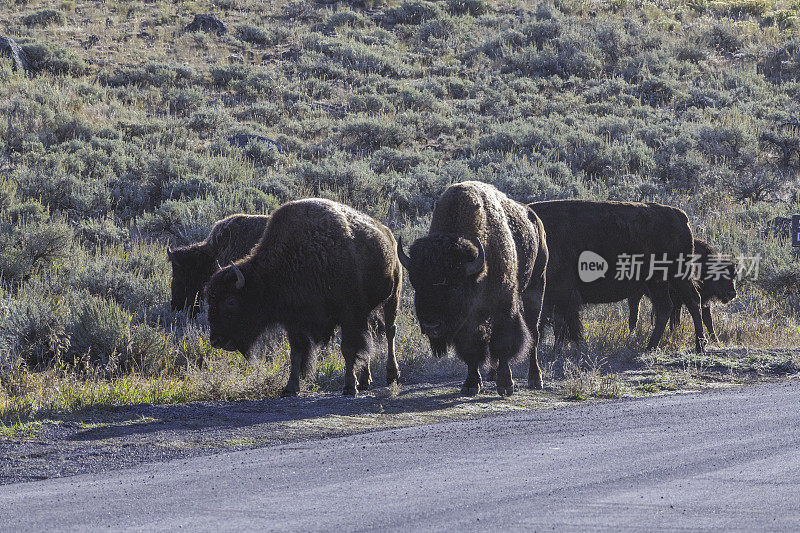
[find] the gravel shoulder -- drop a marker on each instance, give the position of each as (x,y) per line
(94,441)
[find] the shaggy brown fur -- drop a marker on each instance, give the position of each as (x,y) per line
(319,265)
(722,289)
(611,229)
(487,310)
(230,239)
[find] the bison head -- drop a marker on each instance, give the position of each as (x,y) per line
(191,268)
(445,271)
(724,288)
(233,309)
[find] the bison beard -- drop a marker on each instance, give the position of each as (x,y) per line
(479,282)
(319,265)
(611,229)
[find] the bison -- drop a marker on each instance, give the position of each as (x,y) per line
(654,236)
(479,280)
(318,265)
(717,282)
(230,239)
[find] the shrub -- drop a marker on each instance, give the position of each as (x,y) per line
(346,17)
(253,35)
(47,57)
(184,102)
(369,134)
(100,331)
(782,62)
(44,17)
(33,328)
(223,76)
(359,56)
(724,37)
(391,159)
(26,249)
(474,8)
(100,232)
(152,75)
(412,12)
(570,61)
(121,282)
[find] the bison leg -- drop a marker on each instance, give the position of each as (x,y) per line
(533,300)
(300,346)
(356,348)
(365,377)
(662,307)
(510,337)
(691,299)
(709,322)
(572,328)
(675,317)
(474,351)
(633,311)
(389,317)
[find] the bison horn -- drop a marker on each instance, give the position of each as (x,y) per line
(404,259)
(475,266)
(219,266)
(239,276)
(170,254)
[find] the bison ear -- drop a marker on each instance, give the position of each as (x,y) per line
(475,266)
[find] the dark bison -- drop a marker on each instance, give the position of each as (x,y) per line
(479,277)
(717,282)
(230,239)
(319,265)
(655,236)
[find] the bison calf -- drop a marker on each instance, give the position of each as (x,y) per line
(319,265)
(230,239)
(479,277)
(717,282)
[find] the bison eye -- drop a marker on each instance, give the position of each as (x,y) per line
(230,304)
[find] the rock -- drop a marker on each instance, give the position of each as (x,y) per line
(242,139)
(207,23)
(9,48)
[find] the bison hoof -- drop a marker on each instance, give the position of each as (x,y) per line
(289,393)
(505,391)
(536,384)
(468,390)
(349,391)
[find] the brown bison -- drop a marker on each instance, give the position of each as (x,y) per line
(319,265)
(230,239)
(479,277)
(654,236)
(717,282)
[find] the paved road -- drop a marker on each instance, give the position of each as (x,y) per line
(716,460)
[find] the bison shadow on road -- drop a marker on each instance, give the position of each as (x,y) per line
(287,419)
